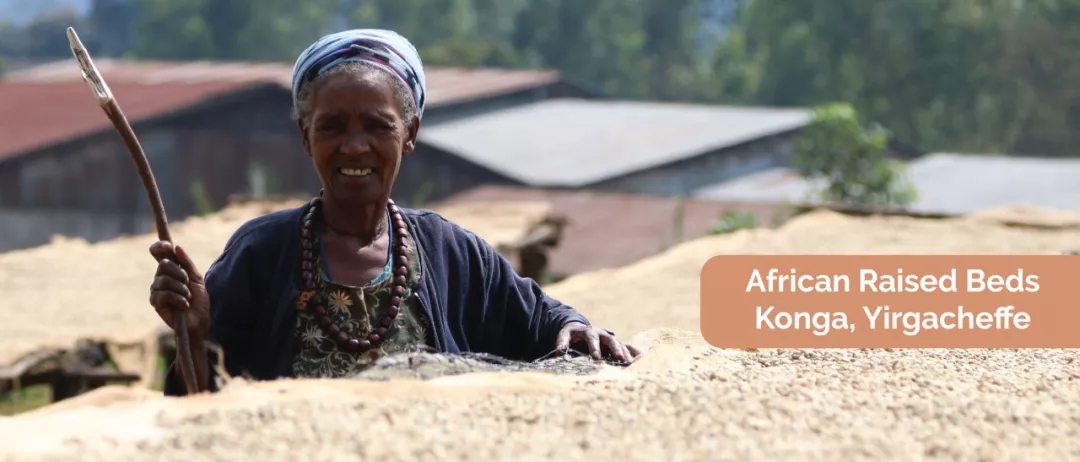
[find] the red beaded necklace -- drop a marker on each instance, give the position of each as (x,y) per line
(311,281)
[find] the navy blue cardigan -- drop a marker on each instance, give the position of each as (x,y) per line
(474,299)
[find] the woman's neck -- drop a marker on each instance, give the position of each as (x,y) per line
(363,222)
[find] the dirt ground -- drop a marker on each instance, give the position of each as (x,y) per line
(682,401)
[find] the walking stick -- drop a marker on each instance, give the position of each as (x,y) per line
(108,103)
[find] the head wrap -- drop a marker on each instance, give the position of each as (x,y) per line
(383,48)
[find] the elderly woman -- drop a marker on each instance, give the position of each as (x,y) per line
(325,289)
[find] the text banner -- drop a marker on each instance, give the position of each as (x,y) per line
(891,301)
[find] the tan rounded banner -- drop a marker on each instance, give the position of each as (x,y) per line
(891,301)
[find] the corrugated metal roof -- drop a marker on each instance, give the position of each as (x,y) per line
(946,183)
(445,85)
(33,115)
(772,185)
(50,103)
(645,224)
(571,142)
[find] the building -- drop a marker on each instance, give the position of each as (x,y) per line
(623,146)
(452,93)
(211,130)
(64,170)
(610,230)
(946,184)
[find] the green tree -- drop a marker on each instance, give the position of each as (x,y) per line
(851,158)
(957,75)
(1040,68)
(926,69)
(264,30)
(733,220)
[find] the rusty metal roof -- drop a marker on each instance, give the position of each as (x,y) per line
(445,85)
(34,115)
(50,103)
(609,230)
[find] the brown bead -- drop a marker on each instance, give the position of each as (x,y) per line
(333,329)
(308,275)
(403,260)
(402,249)
(320,310)
(323,321)
(306,265)
(342,337)
(401,271)
(401,232)
(395,301)
(399,291)
(393,311)
(307,255)
(353,344)
(387,321)
(364,344)
(373,338)
(381,331)
(400,280)
(307,244)
(399,222)
(309,285)
(309,222)
(308,233)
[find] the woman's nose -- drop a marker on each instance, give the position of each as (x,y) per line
(356,143)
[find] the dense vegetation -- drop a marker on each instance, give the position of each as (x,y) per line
(946,75)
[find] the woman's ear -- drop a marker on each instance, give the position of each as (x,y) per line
(410,141)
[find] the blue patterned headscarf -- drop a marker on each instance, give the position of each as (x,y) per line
(383,48)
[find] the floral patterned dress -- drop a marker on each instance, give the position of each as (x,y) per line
(354,309)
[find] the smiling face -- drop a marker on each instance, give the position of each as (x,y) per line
(356,134)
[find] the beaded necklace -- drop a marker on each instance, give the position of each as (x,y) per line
(312,281)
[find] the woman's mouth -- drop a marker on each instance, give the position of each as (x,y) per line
(355,172)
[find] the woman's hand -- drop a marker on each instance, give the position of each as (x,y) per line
(178,285)
(599,343)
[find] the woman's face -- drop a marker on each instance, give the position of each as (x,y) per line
(356,136)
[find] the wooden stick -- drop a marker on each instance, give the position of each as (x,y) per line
(108,103)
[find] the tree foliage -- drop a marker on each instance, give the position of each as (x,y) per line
(733,220)
(994,76)
(851,159)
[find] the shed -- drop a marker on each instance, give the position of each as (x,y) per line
(626,146)
(609,230)
(211,129)
(946,183)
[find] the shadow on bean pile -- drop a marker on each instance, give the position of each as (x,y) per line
(431,365)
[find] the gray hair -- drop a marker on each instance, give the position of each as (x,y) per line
(305,97)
